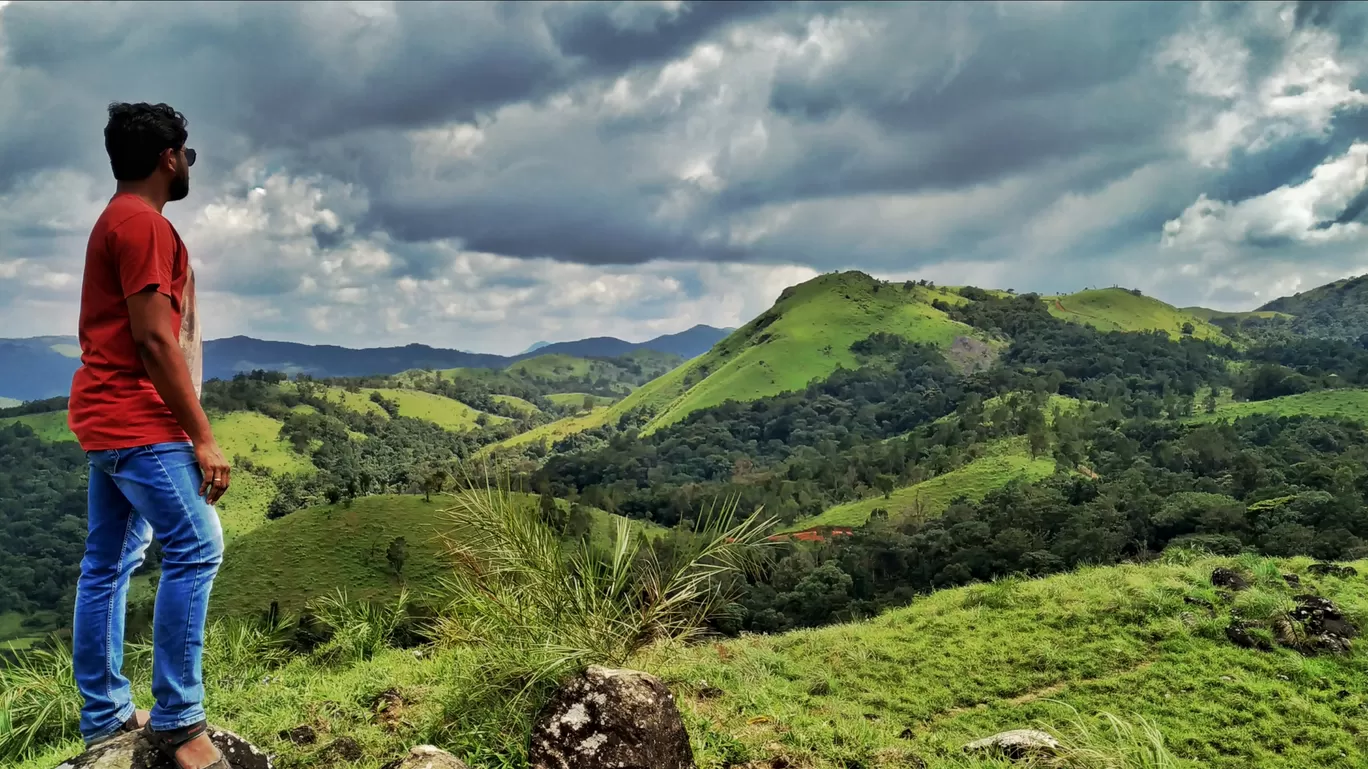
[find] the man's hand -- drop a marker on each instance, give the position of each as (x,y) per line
(215,469)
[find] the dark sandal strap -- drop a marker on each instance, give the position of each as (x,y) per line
(168,742)
(174,738)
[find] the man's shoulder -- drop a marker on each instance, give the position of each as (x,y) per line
(128,210)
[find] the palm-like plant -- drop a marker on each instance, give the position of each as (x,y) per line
(535,609)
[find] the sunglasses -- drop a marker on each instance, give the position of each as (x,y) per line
(189,156)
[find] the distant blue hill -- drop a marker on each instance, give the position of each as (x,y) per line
(41,367)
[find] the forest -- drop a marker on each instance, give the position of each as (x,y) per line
(1133,472)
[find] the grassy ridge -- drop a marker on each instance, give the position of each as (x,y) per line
(1005,461)
(50,426)
(514,402)
(805,336)
(964,663)
(905,689)
(1344,404)
(577,399)
(1116,309)
(444,412)
(551,432)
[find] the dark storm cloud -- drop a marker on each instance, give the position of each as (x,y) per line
(586,118)
(616,36)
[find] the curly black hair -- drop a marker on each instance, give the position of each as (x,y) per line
(137,134)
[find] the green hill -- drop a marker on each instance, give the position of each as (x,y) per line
(442,411)
(910,687)
(1346,404)
(314,551)
(50,426)
(1337,310)
(1003,462)
(1117,309)
(806,335)
(913,685)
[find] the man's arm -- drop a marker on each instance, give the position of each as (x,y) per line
(150,315)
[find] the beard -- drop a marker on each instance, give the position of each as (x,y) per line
(180,186)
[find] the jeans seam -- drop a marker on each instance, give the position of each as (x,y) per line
(199,556)
(109,610)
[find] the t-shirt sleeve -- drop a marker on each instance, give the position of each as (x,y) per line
(144,250)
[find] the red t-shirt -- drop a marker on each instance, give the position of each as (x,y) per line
(114,404)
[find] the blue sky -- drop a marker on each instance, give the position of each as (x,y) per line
(482,176)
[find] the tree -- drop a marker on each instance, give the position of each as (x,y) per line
(551,513)
(434,480)
(884,483)
(396,554)
(1188,328)
(580,523)
(1209,404)
(588,403)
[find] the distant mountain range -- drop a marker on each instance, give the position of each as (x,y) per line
(535,346)
(41,367)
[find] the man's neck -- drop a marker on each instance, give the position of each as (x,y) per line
(154,197)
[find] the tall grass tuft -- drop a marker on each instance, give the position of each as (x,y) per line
(532,610)
(357,629)
(39,703)
(1108,742)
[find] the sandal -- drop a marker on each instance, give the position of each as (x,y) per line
(169,742)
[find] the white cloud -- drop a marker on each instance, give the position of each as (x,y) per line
(1252,108)
(1303,213)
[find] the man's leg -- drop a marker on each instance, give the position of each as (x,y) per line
(163,482)
(116,543)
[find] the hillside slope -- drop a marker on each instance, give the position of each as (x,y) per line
(1337,310)
(1001,463)
(1117,309)
(806,335)
(315,551)
(913,685)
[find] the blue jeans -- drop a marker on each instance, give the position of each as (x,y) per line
(134,494)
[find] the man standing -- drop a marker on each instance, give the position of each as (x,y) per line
(155,468)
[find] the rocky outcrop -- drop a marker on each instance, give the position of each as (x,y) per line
(1017,745)
(1319,627)
(1229,579)
(426,757)
(1332,570)
(619,718)
(131,751)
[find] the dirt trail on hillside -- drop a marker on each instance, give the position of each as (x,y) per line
(1033,695)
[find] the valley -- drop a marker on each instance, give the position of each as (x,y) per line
(984,511)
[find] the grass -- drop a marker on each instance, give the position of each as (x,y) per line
(507,637)
(50,426)
(14,635)
(577,399)
(550,432)
(552,367)
(907,688)
(256,437)
(1005,461)
(1117,309)
(314,551)
(442,411)
(965,663)
(1343,404)
(805,336)
(514,402)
